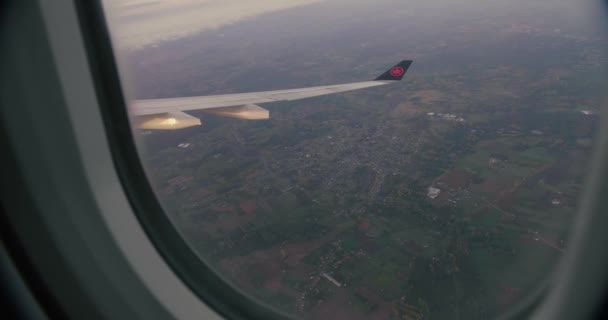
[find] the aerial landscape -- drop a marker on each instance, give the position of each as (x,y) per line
(449,195)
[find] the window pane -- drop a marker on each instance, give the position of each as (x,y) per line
(449,193)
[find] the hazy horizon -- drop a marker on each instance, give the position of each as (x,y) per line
(138,23)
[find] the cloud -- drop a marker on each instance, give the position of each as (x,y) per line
(136,23)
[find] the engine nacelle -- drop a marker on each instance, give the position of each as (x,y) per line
(247,112)
(166,121)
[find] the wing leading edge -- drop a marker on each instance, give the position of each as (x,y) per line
(168,113)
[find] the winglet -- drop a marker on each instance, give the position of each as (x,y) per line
(397,72)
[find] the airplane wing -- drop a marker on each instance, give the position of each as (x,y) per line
(168,113)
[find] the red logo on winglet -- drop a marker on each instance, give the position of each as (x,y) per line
(396,71)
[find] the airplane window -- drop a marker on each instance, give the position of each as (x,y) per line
(367,160)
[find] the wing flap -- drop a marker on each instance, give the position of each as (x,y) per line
(152,106)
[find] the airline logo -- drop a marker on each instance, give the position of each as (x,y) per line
(397,71)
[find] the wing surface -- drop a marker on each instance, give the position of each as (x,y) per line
(244,105)
(153,106)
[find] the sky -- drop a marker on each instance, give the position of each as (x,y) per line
(137,23)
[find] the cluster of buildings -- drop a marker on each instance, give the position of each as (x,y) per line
(445,116)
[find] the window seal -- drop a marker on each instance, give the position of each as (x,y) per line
(221,296)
